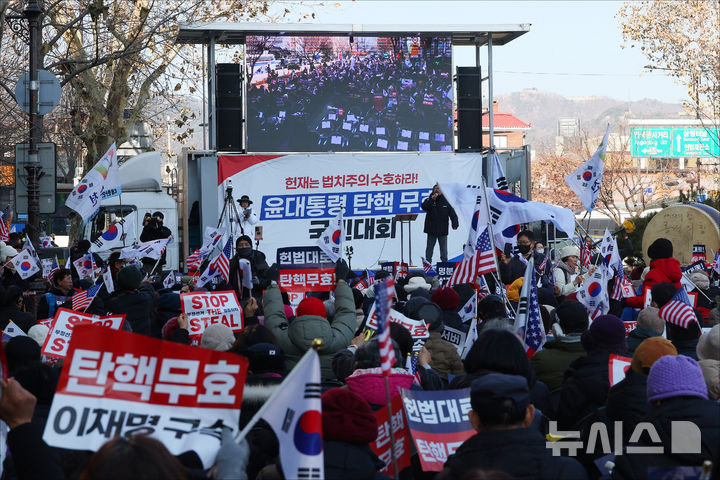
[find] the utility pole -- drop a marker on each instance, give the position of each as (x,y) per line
(32,14)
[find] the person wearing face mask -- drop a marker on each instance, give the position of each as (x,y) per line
(153,229)
(540,247)
(258,265)
(513,268)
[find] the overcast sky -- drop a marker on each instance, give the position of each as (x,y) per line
(573,48)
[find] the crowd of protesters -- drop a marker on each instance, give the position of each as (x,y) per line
(514,399)
(302,110)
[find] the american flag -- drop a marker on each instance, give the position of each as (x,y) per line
(677,313)
(4,222)
(617,292)
(194,260)
(533,333)
(716,263)
(53,268)
(222,261)
(585,255)
(414,369)
(83,299)
(682,296)
(427,266)
(482,262)
(384,293)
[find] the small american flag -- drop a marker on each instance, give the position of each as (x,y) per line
(482,262)
(414,369)
(427,266)
(716,263)
(384,293)
(5,224)
(682,296)
(194,260)
(677,313)
(585,256)
(222,261)
(534,338)
(53,268)
(620,280)
(83,299)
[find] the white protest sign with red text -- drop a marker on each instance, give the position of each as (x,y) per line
(65,321)
(417,328)
(117,383)
(205,308)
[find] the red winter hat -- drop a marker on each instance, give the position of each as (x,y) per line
(312,306)
(446,298)
(347,417)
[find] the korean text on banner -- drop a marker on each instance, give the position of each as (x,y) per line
(401,435)
(63,327)
(206,308)
(417,328)
(305,269)
(438,422)
(117,383)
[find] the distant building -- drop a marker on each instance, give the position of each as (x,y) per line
(509,130)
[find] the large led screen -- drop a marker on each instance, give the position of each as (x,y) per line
(328,94)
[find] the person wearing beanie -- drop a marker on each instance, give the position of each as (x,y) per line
(133,298)
(244,255)
(587,381)
(649,324)
(678,398)
(708,353)
(684,339)
(550,363)
(311,322)
(569,274)
(705,293)
(38,333)
(663,269)
(627,401)
(449,301)
(217,337)
(367,379)
(502,415)
(348,426)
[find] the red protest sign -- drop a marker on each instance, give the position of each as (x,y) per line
(117,383)
(205,308)
(617,366)
(65,321)
(307,280)
(629,327)
(381,446)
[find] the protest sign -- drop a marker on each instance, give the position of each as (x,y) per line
(617,366)
(629,327)
(117,383)
(438,423)
(400,434)
(63,325)
(396,269)
(305,269)
(417,328)
(456,337)
(205,308)
(445,270)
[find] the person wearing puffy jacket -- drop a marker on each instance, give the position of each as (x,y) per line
(663,269)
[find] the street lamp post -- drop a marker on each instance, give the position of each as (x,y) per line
(32,14)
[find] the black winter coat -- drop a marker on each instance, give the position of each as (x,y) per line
(24,320)
(137,306)
(627,401)
(62,299)
(584,390)
(438,213)
(703,413)
(520,452)
(516,269)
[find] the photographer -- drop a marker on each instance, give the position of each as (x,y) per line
(247,216)
(153,229)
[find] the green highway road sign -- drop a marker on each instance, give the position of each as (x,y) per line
(651,142)
(679,142)
(696,142)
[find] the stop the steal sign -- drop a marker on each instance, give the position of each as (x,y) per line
(205,308)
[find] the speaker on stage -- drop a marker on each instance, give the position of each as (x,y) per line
(229,107)
(469,109)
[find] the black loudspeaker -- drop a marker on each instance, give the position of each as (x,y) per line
(469,109)
(229,107)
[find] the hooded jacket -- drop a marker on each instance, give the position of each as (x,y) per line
(662,270)
(636,337)
(705,414)
(297,337)
(519,452)
(444,357)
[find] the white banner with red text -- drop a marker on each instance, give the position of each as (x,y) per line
(295,197)
(65,321)
(117,383)
(206,308)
